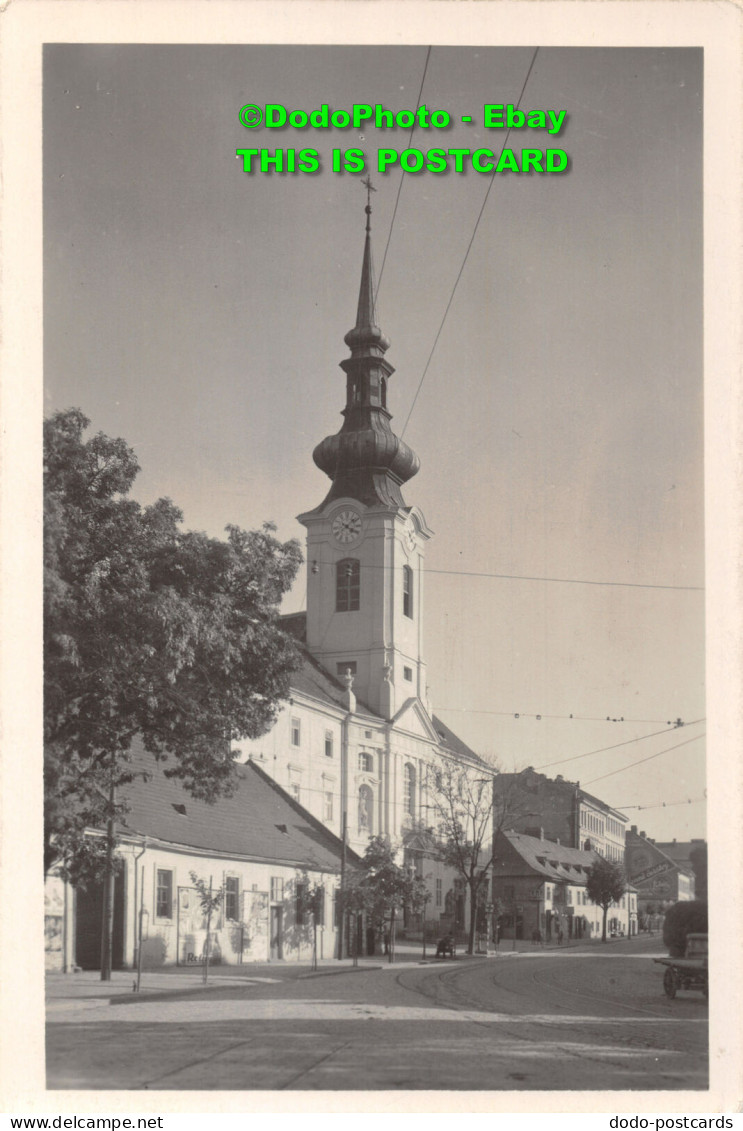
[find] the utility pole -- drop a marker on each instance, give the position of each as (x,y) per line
(109,881)
(342,909)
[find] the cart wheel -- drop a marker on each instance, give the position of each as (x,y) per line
(669,982)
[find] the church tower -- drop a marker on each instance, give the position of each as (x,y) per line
(365,547)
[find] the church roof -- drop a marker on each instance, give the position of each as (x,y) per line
(313,679)
(259,821)
(454,745)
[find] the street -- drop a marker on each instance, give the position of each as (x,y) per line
(588,1017)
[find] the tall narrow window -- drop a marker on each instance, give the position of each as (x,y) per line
(366,808)
(383,384)
(164,904)
(300,904)
(328,744)
(347,585)
(232,897)
(408,801)
(407,591)
(296,732)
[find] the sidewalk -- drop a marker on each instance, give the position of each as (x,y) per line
(87,984)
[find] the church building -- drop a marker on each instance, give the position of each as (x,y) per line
(358,744)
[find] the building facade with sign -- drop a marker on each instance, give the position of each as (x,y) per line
(561,811)
(540,887)
(660,880)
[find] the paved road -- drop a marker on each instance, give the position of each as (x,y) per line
(593,1019)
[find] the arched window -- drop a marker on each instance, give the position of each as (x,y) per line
(366,809)
(383,385)
(408,801)
(407,591)
(347,585)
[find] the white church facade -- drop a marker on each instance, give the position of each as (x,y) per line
(358,744)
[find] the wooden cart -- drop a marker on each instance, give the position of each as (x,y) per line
(689,972)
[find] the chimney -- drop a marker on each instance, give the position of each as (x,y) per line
(633,829)
(559,777)
(642,834)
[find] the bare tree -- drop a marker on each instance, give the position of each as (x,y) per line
(470,814)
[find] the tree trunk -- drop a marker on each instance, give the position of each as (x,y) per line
(473,920)
(603,928)
(205,972)
(391,957)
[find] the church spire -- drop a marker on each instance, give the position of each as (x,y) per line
(366,332)
(366,460)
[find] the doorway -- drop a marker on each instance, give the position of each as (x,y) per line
(277,933)
(89,925)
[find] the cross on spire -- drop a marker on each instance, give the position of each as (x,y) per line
(367,183)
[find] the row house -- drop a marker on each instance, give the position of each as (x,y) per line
(541,888)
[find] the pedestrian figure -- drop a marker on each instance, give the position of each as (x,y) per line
(559,936)
(386,942)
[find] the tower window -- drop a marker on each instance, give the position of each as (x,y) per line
(383,385)
(407,674)
(328,744)
(347,585)
(408,801)
(366,762)
(296,732)
(407,591)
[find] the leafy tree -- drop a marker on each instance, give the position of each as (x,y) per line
(381,887)
(606,883)
(682,919)
(471,812)
(149,630)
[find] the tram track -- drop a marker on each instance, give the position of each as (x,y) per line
(448,989)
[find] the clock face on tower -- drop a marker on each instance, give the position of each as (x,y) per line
(346,526)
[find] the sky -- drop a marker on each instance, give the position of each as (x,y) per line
(199,312)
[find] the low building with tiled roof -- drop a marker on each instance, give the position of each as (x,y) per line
(540,889)
(263,850)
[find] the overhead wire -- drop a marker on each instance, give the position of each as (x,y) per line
(528,577)
(678,722)
(402,178)
(627,742)
(642,760)
(466,254)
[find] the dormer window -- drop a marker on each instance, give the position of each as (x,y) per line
(347,585)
